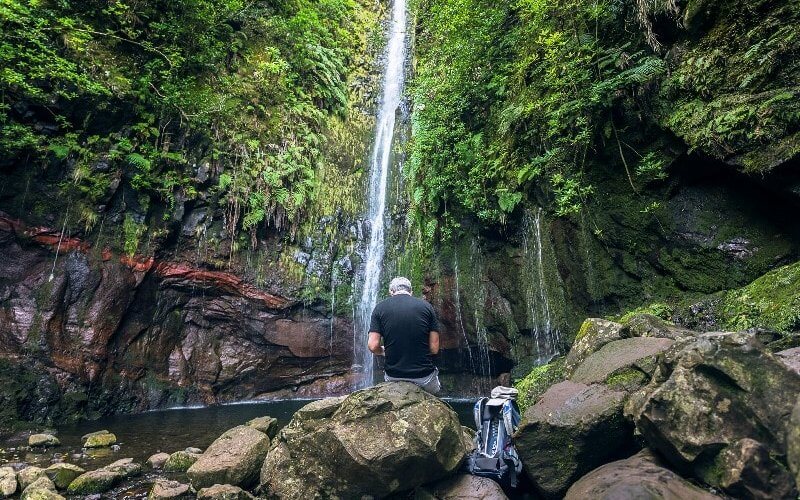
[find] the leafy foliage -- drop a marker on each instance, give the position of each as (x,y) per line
(512,96)
(138,85)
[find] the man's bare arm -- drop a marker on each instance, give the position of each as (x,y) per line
(374,344)
(433,341)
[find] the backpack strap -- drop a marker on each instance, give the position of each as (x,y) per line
(477,412)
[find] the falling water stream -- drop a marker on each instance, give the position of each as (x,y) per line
(393,82)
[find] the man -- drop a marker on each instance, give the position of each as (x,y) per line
(410,334)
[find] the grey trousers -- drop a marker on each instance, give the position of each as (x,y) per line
(430,382)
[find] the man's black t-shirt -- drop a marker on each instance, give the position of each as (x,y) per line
(405,323)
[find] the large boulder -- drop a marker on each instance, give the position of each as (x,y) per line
(461,487)
(377,441)
(233,458)
(641,477)
(571,430)
(105,478)
(8,481)
(62,474)
(637,352)
(593,334)
(710,393)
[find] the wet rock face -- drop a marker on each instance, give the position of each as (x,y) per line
(642,477)
(572,429)
(461,487)
(145,334)
(386,439)
(720,402)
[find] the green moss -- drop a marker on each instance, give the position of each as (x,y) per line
(658,309)
(537,382)
(627,379)
(772,301)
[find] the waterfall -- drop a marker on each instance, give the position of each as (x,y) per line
(393,81)
(459,316)
(546,335)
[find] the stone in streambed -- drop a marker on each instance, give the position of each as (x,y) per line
(41,489)
(43,441)
(99,439)
(158,460)
(180,461)
(223,492)
(8,481)
(641,477)
(192,449)
(461,487)
(233,458)
(105,478)
(570,431)
(62,474)
(29,475)
(267,425)
(377,441)
(165,489)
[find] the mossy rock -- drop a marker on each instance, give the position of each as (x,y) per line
(29,475)
(41,489)
(99,439)
(62,474)
(268,425)
(180,461)
(537,382)
(105,478)
(43,441)
(8,481)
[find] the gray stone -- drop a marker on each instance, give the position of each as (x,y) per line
(461,487)
(793,443)
(43,440)
(381,440)
(641,477)
(165,489)
(593,334)
(157,460)
(233,458)
(29,475)
(223,492)
(745,469)
(791,358)
(267,425)
(572,429)
(41,489)
(8,481)
(638,352)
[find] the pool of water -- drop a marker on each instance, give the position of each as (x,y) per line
(141,435)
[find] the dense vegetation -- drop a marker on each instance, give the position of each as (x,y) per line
(516,99)
(159,94)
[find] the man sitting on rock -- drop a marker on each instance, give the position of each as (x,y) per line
(410,333)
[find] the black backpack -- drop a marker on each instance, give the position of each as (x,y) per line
(494,456)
